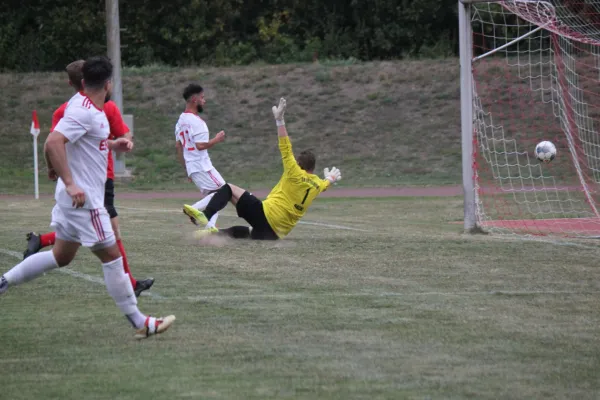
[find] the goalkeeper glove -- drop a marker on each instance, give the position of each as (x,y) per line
(332,175)
(278,112)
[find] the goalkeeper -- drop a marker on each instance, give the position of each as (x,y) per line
(288,201)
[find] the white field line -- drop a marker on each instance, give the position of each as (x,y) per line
(76,274)
(330,226)
(292,296)
(149,209)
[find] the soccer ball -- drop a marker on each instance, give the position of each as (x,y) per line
(545,151)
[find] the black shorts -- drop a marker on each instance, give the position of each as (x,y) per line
(109,198)
(251,209)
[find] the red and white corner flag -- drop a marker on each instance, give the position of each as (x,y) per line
(35,124)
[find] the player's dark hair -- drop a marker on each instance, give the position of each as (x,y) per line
(96,71)
(307,160)
(191,89)
(75,74)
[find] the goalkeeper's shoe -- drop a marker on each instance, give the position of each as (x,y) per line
(197,217)
(154,326)
(34,244)
(202,233)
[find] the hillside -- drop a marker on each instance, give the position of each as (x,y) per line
(381,123)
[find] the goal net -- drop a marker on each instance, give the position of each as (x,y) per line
(536,77)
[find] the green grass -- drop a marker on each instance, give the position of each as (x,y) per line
(410,309)
(381,123)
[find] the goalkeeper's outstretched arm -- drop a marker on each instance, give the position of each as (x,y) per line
(278,112)
(285,146)
(281,131)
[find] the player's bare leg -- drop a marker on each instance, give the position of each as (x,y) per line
(120,289)
(138,286)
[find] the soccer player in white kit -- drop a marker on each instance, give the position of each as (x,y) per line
(77,152)
(192,143)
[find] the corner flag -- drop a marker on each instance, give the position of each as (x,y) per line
(35,124)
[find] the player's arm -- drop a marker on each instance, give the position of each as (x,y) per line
(179,148)
(56,153)
(278,112)
(56,117)
(287,155)
(282,132)
(205,144)
(285,145)
(70,128)
(324,184)
(56,156)
(51,171)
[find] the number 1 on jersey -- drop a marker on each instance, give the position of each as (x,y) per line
(305,196)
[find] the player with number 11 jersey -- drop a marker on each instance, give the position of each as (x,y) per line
(192,143)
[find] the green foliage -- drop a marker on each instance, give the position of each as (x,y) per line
(46,35)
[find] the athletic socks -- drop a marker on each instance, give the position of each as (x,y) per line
(117,282)
(201,206)
(30,268)
(219,201)
(120,289)
(47,239)
(125,263)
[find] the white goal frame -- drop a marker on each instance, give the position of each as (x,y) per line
(471,223)
(466,114)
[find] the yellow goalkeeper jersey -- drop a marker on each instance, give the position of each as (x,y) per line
(293,194)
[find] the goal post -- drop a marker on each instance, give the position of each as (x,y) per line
(530,71)
(466,114)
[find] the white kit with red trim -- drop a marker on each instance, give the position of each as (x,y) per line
(86,128)
(191,129)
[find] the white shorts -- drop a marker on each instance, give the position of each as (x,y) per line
(91,228)
(207,181)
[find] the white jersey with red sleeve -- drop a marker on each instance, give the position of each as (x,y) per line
(191,129)
(87,130)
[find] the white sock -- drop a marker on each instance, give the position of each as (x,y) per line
(201,205)
(120,289)
(213,221)
(31,267)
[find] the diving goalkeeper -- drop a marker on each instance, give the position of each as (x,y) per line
(288,201)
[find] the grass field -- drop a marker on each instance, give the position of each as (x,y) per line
(388,301)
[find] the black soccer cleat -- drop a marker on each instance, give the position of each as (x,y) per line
(3,284)
(34,244)
(142,285)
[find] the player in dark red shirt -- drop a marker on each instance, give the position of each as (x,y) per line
(118,128)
